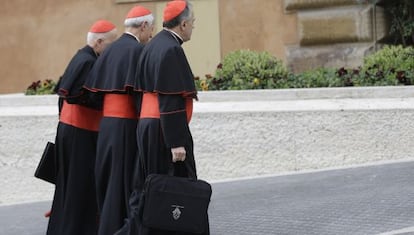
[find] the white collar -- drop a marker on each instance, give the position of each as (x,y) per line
(176,34)
(133,36)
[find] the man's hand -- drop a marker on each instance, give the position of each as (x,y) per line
(178,154)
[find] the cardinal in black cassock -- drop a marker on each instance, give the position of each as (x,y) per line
(163,133)
(74,208)
(113,79)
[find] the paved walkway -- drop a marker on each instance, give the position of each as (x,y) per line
(364,200)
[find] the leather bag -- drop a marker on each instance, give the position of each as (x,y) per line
(176,203)
(46,169)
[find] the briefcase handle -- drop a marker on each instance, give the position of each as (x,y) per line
(190,170)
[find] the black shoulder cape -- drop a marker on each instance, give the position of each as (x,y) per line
(164,67)
(115,69)
(76,73)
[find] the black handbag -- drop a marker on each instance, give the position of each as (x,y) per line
(46,169)
(176,203)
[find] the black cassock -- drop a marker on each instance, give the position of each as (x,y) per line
(112,79)
(168,85)
(74,209)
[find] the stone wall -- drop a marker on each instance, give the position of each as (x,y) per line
(334,33)
(261,25)
(39,39)
(238,133)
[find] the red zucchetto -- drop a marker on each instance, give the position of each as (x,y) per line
(138,11)
(102,26)
(173,9)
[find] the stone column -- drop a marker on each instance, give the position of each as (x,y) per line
(334,33)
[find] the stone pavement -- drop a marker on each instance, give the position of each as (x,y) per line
(376,199)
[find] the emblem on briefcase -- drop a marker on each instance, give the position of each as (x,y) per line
(176,213)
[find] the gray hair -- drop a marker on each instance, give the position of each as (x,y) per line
(138,21)
(185,15)
(91,38)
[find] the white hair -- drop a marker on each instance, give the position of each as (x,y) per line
(137,21)
(91,38)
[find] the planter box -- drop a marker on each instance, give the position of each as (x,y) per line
(239,133)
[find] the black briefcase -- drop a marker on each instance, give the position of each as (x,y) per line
(46,169)
(176,203)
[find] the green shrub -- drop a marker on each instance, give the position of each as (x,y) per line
(320,77)
(245,69)
(392,65)
(391,57)
(41,87)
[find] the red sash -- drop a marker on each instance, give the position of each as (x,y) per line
(80,116)
(150,106)
(119,106)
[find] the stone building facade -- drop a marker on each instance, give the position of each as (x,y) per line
(334,33)
(39,38)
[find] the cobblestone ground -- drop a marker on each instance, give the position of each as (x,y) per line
(364,200)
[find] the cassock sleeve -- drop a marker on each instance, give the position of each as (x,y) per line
(75,93)
(173,117)
(74,78)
